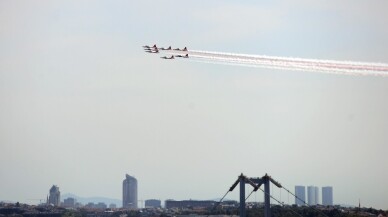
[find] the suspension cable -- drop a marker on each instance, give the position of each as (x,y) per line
(218,203)
(280,193)
(304,202)
(282,204)
(223,197)
(288,199)
(249,195)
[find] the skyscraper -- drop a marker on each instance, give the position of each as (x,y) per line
(300,192)
(311,195)
(316,195)
(55,196)
(129,192)
(327,196)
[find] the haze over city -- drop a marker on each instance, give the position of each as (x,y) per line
(82,104)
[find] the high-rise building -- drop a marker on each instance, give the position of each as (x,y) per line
(55,196)
(327,196)
(312,195)
(316,195)
(300,193)
(129,192)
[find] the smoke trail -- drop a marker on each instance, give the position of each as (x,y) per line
(301,60)
(288,63)
(231,63)
(310,69)
(292,66)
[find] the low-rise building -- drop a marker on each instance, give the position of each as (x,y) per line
(153,203)
(189,204)
(69,202)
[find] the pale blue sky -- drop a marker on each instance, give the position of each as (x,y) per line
(82,104)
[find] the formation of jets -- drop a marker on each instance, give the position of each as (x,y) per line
(155,49)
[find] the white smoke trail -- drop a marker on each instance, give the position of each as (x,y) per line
(291,66)
(288,58)
(302,62)
(310,69)
(288,63)
(231,63)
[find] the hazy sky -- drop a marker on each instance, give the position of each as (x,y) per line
(81,104)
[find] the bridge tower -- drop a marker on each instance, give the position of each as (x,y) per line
(255,183)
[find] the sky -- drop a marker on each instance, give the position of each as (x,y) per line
(81,104)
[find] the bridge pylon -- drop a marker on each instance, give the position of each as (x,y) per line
(255,183)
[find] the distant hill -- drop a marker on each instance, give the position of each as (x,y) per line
(6,201)
(86,200)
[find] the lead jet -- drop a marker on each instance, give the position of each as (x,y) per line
(182,56)
(149,47)
(168,58)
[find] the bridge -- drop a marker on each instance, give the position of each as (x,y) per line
(256,183)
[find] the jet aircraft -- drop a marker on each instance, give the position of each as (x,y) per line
(162,48)
(149,47)
(152,51)
(168,58)
(182,56)
(184,49)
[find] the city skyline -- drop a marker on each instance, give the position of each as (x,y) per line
(82,101)
(130,188)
